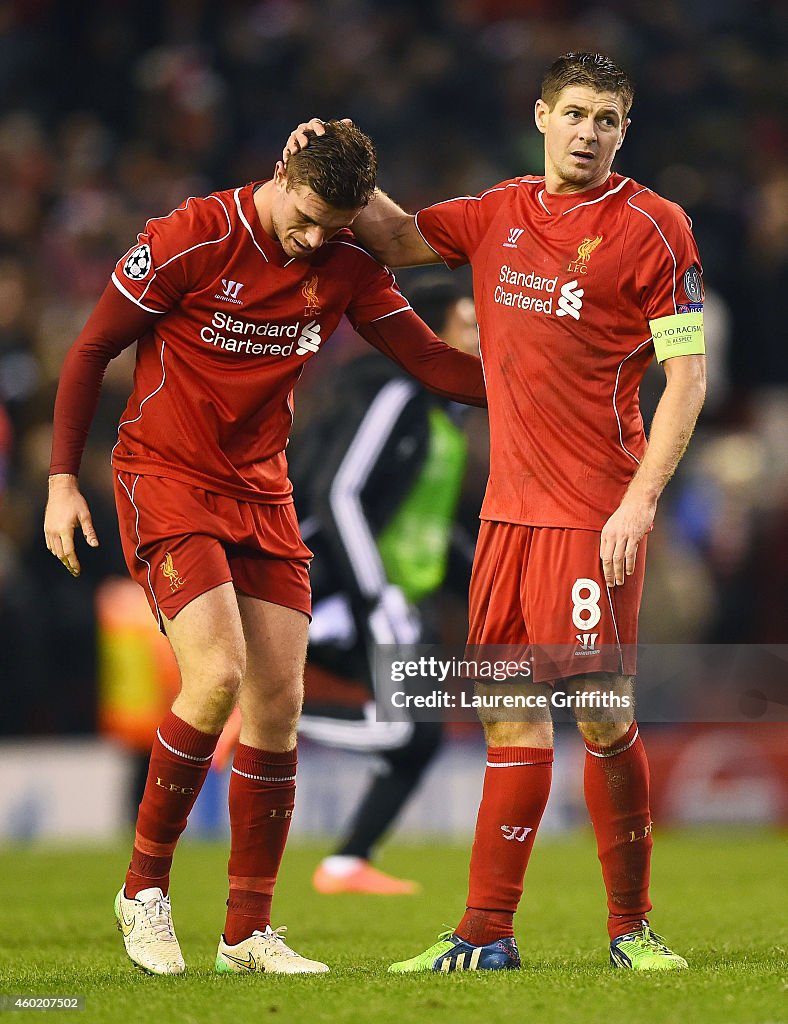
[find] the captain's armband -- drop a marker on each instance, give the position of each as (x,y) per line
(680,334)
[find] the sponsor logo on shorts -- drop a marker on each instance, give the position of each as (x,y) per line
(138,263)
(171,574)
(586,644)
(584,251)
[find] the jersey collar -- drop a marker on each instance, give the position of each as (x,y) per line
(558,205)
(271,251)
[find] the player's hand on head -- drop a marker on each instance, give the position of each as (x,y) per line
(300,140)
(621,537)
(66,511)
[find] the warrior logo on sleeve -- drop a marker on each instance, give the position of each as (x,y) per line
(138,263)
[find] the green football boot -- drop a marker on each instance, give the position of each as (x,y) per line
(644,950)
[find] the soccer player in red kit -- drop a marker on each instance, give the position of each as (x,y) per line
(227,297)
(581,276)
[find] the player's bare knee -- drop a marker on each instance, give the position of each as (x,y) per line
(604,707)
(518,734)
(277,701)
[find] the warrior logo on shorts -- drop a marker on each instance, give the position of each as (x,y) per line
(138,263)
(309,291)
(171,573)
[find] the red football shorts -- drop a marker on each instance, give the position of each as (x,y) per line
(543,587)
(180,541)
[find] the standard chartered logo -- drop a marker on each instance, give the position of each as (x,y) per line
(536,294)
(310,339)
(570,301)
(244,336)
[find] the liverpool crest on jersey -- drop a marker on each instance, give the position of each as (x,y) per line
(309,291)
(584,252)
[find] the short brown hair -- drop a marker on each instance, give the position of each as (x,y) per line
(340,167)
(594,70)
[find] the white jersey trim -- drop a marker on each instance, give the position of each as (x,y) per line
(402,309)
(155,391)
(197,245)
(416,224)
(599,199)
(247,225)
(634,351)
(139,557)
(476,199)
(615,627)
(662,236)
(542,203)
(124,291)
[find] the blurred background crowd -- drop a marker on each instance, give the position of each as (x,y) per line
(112,112)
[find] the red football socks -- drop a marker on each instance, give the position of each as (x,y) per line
(516,787)
(616,788)
(179,762)
(262,796)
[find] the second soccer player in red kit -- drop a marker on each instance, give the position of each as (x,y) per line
(581,276)
(227,297)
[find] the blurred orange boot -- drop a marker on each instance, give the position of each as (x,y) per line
(352,874)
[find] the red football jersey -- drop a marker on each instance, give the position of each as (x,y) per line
(566,287)
(212,398)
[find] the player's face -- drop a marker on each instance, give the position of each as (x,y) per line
(583,132)
(460,330)
(302,220)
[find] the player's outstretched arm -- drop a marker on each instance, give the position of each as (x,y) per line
(391,235)
(410,343)
(671,429)
(383,227)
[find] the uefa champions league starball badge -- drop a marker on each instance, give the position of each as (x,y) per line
(138,263)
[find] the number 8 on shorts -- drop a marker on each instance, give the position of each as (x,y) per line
(585,603)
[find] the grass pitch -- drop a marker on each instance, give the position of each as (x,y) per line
(720,901)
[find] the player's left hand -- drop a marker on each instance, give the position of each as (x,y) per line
(621,536)
(300,140)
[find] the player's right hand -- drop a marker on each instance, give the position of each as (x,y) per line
(300,140)
(66,509)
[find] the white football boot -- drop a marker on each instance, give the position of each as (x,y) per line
(146,925)
(265,952)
